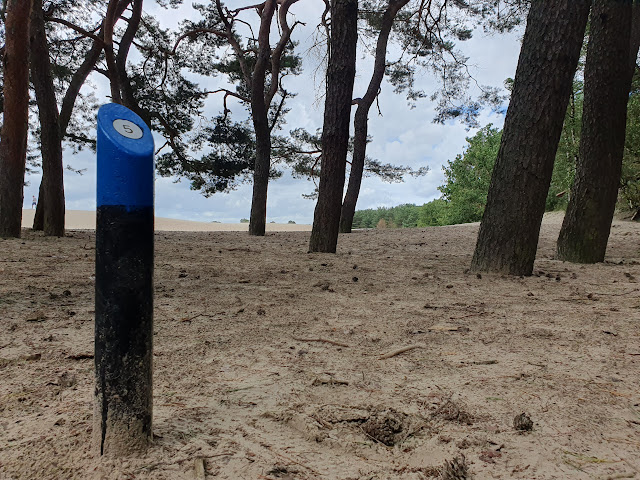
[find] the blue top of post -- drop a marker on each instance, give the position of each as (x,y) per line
(125,158)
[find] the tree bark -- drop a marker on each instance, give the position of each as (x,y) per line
(51,196)
(259,110)
(109,26)
(508,236)
(13,138)
(361,120)
(128,98)
(38,216)
(335,133)
(607,81)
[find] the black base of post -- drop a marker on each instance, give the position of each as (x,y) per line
(123,329)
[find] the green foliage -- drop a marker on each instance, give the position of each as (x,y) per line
(629,195)
(244,220)
(468,177)
(402,216)
(433,214)
(567,154)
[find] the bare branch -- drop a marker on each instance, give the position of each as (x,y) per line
(76,28)
(195,31)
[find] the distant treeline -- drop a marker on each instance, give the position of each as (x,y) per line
(403,216)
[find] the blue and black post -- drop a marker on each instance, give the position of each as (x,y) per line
(124,282)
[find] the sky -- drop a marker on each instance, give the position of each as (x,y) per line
(402,135)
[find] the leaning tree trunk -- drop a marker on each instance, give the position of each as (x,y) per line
(38,217)
(13,138)
(508,237)
(607,82)
(335,132)
(360,121)
(51,197)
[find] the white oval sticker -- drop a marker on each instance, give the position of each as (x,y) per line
(127,129)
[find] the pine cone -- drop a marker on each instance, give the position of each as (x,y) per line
(523,423)
(455,469)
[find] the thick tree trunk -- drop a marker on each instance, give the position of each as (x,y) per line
(335,133)
(361,120)
(51,196)
(258,218)
(13,138)
(259,109)
(360,124)
(607,81)
(508,237)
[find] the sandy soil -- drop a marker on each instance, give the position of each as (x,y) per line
(86,220)
(272,363)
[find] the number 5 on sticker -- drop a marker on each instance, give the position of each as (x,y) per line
(127,129)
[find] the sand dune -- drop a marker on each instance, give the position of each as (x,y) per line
(86,220)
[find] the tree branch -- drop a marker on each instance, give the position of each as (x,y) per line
(76,28)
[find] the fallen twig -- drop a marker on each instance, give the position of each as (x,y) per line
(541,365)
(398,352)
(323,340)
(618,294)
(289,459)
(199,471)
(201,314)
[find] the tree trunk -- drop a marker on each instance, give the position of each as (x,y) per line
(38,217)
(13,138)
(607,81)
(81,74)
(258,218)
(508,237)
(128,97)
(361,121)
(51,196)
(335,133)
(259,110)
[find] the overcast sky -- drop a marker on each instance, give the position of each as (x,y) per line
(401,136)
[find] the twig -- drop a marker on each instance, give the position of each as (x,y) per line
(201,314)
(398,352)
(278,454)
(372,438)
(199,471)
(618,294)
(484,362)
(324,340)
(541,365)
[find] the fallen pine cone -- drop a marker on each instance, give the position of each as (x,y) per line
(523,423)
(455,469)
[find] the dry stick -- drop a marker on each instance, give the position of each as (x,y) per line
(398,352)
(324,340)
(617,294)
(278,454)
(199,469)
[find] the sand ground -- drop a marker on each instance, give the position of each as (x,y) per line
(272,363)
(86,220)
